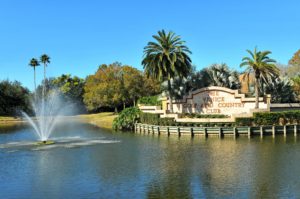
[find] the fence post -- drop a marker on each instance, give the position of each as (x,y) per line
(192,132)
(273,130)
(234,132)
(249,132)
(205,131)
(295,130)
(284,130)
(261,131)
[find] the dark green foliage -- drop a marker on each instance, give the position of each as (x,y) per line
(70,88)
(126,119)
(149,118)
(154,119)
(150,101)
(215,75)
(258,119)
(13,98)
(270,118)
(179,87)
(247,121)
(281,91)
(197,115)
(167,122)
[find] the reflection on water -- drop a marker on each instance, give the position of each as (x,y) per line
(146,166)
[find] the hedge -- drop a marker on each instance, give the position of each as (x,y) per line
(129,116)
(149,101)
(198,115)
(258,119)
(270,118)
(154,119)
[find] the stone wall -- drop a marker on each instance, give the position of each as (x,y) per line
(218,100)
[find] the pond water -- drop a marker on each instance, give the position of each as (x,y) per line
(130,165)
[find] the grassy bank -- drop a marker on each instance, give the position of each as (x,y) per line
(103,120)
(9,120)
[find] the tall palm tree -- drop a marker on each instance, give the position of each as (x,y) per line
(262,67)
(34,63)
(45,59)
(167,58)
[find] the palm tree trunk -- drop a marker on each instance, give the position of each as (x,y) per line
(256,93)
(170,95)
(34,79)
(34,83)
(44,86)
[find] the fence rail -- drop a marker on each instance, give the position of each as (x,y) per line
(219,131)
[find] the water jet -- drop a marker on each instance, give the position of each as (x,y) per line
(46,110)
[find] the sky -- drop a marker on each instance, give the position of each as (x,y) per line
(80,35)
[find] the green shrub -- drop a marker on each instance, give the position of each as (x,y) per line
(247,121)
(264,118)
(126,119)
(149,118)
(154,119)
(270,118)
(150,101)
(198,115)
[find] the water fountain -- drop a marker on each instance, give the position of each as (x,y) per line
(47,111)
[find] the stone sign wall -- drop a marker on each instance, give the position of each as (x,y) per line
(218,100)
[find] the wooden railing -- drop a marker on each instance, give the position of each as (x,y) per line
(219,131)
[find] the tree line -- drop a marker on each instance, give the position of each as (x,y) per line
(168,70)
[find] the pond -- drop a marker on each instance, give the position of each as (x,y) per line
(127,165)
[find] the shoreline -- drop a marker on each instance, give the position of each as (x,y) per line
(101,120)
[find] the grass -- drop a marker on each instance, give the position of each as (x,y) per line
(9,121)
(5,119)
(103,120)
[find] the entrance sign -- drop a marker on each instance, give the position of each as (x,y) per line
(218,100)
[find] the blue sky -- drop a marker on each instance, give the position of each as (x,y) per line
(80,35)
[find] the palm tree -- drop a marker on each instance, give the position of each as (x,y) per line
(262,67)
(45,59)
(167,58)
(34,63)
(221,75)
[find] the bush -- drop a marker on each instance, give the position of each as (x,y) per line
(126,119)
(270,118)
(265,118)
(150,101)
(14,98)
(247,121)
(197,115)
(150,118)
